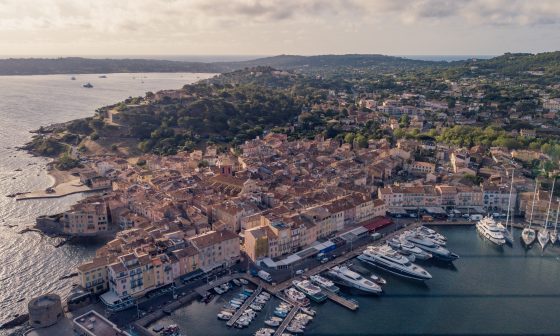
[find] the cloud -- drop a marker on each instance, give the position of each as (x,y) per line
(473,12)
(110,16)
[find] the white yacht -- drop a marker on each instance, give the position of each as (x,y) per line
(407,248)
(488,229)
(543,237)
(430,246)
(432,234)
(389,260)
(528,235)
(324,283)
(344,276)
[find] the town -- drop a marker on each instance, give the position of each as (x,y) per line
(350,165)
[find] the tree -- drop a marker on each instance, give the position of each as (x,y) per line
(361,141)
(349,137)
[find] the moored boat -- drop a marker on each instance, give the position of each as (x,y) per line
(488,229)
(387,259)
(324,283)
(312,291)
(428,245)
(346,277)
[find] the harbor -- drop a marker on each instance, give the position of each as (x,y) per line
(453,289)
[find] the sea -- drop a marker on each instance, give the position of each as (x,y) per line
(30,264)
(490,290)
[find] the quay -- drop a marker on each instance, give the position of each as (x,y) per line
(61,190)
(350,304)
(244,306)
(287,321)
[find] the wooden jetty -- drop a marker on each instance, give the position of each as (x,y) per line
(287,320)
(350,304)
(244,306)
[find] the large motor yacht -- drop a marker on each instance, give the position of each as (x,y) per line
(488,229)
(407,248)
(346,277)
(389,260)
(313,292)
(429,246)
(324,283)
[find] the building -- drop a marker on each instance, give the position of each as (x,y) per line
(93,275)
(131,275)
(216,248)
(94,324)
(422,167)
(85,219)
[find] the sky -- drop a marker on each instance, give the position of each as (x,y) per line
(271,27)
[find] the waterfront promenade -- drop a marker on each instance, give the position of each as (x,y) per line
(64,189)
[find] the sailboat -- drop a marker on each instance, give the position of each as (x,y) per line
(554,233)
(543,236)
(508,234)
(529,235)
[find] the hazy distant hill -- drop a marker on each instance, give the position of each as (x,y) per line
(329,61)
(508,64)
(77,65)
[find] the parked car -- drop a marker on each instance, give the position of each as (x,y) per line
(299,272)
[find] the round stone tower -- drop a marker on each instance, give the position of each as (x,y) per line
(45,310)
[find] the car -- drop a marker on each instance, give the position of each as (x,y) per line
(324,260)
(299,272)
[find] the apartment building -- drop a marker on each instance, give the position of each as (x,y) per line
(216,248)
(85,219)
(93,276)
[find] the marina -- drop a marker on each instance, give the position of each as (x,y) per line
(454,288)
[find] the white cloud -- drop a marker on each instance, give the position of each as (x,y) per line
(229,23)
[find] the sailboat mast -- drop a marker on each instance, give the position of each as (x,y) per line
(549,203)
(533,205)
(509,199)
(557,211)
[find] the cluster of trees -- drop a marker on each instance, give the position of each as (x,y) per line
(224,114)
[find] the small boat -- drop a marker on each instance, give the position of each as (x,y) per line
(377,279)
(296,296)
(256,307)
(543,238)
(87,85)
(295,329)
(308,311)
(264,332)
(224,316)
(272,323)
(236,282)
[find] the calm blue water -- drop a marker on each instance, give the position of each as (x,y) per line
(30,264)
(489,290)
